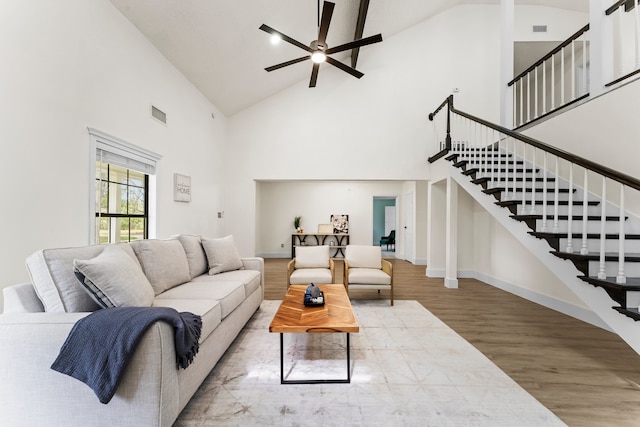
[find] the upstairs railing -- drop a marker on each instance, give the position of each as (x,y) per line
(479,139)
(556,80)
(626,39)
(562,76)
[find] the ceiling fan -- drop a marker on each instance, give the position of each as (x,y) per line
(318,51)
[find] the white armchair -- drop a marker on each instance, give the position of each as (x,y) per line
(312,264)
(364,268)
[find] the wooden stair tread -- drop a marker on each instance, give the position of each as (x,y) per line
(612,236)
(566,217)
(633,283)
(594,256)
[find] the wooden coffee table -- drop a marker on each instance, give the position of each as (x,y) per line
(336,315)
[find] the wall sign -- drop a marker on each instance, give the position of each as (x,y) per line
(181,188)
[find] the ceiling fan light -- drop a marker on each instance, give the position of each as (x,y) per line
(275,39)
(318,57)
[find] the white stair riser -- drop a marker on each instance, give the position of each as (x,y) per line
(562,210)
(631,269)
(593,245)
(592,226)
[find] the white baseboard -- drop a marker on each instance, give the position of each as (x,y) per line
(576,312)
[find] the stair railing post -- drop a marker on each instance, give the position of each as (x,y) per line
(570,212)
(584,249)
(620,278)
(447,140)
(602,274)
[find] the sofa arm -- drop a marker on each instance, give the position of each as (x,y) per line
(34,394)
(21,299)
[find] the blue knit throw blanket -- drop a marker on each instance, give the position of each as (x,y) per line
(99,346)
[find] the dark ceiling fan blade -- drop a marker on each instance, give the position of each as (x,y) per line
(268,29)
(355,73)
(356,43)
(284,64)
(327,12)
(314,75)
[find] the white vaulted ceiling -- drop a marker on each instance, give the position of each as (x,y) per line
(217,45)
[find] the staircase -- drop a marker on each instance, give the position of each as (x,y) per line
(583,235)
(587,264)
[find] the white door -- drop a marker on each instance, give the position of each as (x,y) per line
(408,227)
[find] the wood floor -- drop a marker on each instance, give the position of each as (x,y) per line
(585,375)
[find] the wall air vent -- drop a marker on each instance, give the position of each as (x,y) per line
(159,115)
(539,28)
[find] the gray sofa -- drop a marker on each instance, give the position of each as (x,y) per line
(188,273)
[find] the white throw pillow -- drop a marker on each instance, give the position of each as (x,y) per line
(221,254)
(312,256)
(114,279)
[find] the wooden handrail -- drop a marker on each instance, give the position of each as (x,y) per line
(581,161)
(550,54)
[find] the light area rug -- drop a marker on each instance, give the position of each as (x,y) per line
(408,369)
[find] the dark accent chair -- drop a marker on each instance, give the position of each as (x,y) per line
(389,240)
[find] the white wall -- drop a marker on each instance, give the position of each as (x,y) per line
(73,64)
(315,201)
(375,128)
(561,24)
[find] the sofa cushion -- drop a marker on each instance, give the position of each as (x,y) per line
(363,256)
(250,278)
(221,254)
(208,309)
(369,276)
(196,257)
(312,257)
(113,279)
(230,294)
(164,262)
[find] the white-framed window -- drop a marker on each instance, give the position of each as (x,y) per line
(122,190)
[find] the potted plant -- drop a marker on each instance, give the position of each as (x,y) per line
(296,224)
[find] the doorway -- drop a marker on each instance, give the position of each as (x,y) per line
(385,220)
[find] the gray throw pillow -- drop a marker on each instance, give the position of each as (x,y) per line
(221,254)
(114,279)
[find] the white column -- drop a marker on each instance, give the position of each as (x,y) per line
(506,62)
(451,245)
(601,47)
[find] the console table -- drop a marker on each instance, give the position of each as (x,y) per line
(337,242)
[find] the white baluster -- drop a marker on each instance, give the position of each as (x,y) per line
(637,30)
(584,66)
(552,83)
(602,275)
(535,95)
(521,101)
(528,97)
(584,250)
(544,88)
(544,192)
(570,212)
(556,198)
(620,278)
(496,155)
(500,150)
(561,77)
(533,182)
(514,156)
(573,70)
(524,180)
